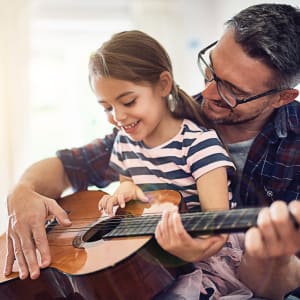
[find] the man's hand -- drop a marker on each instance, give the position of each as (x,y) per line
(276,234)
(268,266)
(26,232)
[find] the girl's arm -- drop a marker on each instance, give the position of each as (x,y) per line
(170,233)
(126,191)
(213,190)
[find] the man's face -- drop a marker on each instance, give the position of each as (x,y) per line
(246,77)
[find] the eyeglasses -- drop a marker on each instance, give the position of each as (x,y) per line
(225,90)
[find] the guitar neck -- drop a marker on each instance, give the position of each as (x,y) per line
(200,223)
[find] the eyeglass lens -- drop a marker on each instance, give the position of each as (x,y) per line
(205,67)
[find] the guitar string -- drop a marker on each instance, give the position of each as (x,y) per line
(132,220)
(192,214)
(151,220)
(138,225)
(116,219)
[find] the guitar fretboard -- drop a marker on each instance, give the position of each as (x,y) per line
(213,222)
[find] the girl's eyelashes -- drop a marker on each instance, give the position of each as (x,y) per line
(107,109)
(129,103)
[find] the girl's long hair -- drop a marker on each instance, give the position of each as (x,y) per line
(137,57)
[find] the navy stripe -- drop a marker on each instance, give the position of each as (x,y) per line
(218,157)
(205,144)
(119,170)
(174,174)
(179,161)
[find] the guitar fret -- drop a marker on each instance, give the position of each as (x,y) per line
(195,223)
(134,226)
(217,220)
(223,221)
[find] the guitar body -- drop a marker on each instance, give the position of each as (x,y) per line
(86,266)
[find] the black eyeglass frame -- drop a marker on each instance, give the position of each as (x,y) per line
(218,81)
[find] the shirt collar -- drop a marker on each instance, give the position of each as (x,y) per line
(287,118)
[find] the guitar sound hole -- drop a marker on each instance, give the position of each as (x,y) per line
(98,230)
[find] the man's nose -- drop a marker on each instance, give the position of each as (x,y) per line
(211,91)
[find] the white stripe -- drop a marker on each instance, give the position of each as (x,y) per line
(199,172)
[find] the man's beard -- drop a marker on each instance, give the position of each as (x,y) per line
(230,120)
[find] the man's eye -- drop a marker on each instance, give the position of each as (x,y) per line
(236,92)
(209,74)
(239,94)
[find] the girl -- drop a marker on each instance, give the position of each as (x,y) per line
(163,142)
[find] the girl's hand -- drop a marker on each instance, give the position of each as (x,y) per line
(172,237)
(125,192)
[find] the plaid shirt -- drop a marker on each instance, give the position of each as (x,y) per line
(272,168)
(89,165)
(271,172)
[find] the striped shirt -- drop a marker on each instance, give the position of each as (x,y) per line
(176,164)
(271,172)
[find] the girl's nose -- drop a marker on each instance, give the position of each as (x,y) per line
(118,114)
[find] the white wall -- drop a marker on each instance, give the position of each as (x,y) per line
(14,92)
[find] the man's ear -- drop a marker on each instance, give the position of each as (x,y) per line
(165,83)
(286,96)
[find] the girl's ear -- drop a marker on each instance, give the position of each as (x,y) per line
(286,96)
(165,83)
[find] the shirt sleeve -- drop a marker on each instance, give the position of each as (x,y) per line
(118,160)
(207,153)
(89,165)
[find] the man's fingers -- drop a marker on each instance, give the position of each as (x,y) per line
(254,243)
(28,257)
(41,243)
(20,259)
(276,234)
(59,213)
(10,257)
(294,208)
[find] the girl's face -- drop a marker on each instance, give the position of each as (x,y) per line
(140,110)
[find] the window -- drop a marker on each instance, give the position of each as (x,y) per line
(64,112)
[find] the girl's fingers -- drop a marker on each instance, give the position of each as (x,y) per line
(141,196)
(121,200)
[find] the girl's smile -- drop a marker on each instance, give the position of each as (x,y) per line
(130,128)
(139,109)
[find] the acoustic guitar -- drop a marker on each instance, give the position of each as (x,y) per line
(100,257)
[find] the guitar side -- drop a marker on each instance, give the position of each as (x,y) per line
(122,268)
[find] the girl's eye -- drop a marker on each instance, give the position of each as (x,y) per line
(129,103)
(107,109)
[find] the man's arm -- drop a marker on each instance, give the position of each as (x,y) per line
(269,267)
(32,200)
(29,203)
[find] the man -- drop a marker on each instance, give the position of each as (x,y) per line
(251,73)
